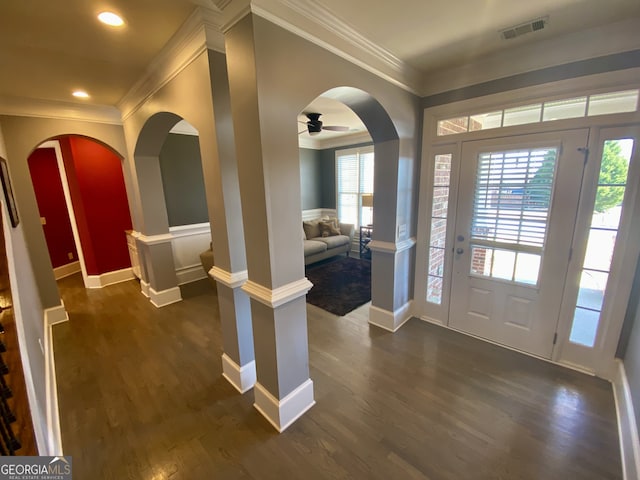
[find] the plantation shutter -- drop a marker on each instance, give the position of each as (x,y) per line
(348,186)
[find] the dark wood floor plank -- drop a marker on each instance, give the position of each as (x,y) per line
(142,396)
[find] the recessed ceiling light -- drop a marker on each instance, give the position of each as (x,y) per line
(80,94)
(111,19)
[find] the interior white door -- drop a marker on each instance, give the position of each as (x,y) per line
(517,204)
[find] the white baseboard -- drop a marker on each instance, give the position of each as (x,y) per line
(627,426)
(435,321)
(390,321)
(55,315)
(109,278)
(144,288)
(282,413)
(66,270)
(53,441)
(242,378)
(165,297)
(190,274)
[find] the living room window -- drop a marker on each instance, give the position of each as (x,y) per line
(354,179)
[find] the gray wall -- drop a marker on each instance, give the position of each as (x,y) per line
(311,179)
(318,176)
(629,346)
(632,363)
(182,180)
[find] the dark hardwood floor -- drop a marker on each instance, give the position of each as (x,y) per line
(142,397)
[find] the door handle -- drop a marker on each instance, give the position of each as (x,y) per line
(459,251)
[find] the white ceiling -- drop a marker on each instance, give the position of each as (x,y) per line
(48,48)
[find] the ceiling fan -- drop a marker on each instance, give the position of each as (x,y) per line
(314,125)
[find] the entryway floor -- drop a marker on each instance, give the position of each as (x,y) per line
(142,396)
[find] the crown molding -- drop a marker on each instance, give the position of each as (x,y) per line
(307,19)
(335,142)
(39,108)
(201,31)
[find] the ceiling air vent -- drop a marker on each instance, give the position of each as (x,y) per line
(532,26)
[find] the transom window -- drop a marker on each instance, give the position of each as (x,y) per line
(600,104)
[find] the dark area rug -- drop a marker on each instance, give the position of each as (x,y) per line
(341,285)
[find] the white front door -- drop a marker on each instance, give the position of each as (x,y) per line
(516,211)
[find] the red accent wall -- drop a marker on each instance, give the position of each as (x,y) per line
(97,190)
(47,185)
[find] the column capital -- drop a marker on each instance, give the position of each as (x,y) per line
(229,279)
(279,296)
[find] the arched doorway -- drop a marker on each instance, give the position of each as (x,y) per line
(174,229)
(83,207)
(337,164)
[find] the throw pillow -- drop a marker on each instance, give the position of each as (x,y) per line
(329,229)
(311,229)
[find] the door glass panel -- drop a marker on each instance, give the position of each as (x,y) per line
(585,327)
(591,293)
(504,262)
(481,260)
(512,200)
(607,211)
(527,268)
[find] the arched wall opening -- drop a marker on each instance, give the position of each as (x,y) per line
(374,143)
(337,162)
(175,217)
(83,206)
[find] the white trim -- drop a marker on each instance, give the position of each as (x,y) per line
(52,316)
(109,278)
(229,279)
(155,239)
(55,144)
(627,426)
(189,274)
(233,13)
(66,270)
(435,321)
(54,436)
(282,413)
(199,32)
(165,297)
(55,315)
(184,128)
(279,296)
(391,321)
(242,378)
(392,247)
(145,288)
(190,230)
(337,141)
(314,23)
(57,110)
(317,213)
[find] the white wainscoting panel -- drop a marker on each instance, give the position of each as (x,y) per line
(188,242)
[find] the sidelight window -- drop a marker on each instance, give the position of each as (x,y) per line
(596,267)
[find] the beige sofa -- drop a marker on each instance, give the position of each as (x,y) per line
(323,240)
